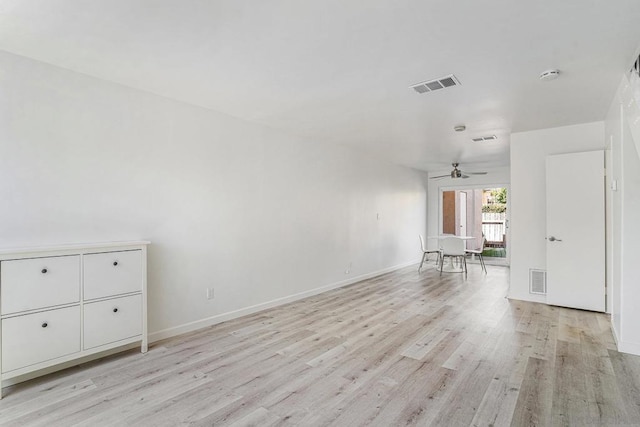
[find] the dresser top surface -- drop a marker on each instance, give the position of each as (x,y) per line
(79,247)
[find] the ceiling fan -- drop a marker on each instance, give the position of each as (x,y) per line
(457,173)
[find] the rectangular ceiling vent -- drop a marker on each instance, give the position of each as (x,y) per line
(537,281)
(431,85)
(485,138)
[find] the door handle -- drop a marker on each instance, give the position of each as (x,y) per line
(553,239)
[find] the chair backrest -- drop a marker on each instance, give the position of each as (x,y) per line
(424,248)
(452,246)
(483,241)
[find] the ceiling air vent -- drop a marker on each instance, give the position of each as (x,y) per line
(431,85)
(485,138)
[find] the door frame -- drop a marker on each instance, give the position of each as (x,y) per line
(462,213)
(443,188)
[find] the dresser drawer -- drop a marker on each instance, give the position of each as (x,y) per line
(28,284)
(38,337)
(112,273)
(112,320)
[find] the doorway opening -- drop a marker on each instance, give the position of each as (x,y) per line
(478,212)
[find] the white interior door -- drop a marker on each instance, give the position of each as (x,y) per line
(462,230)
(575,230)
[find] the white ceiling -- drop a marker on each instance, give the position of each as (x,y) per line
(340,70)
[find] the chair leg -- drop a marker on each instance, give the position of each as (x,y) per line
(464,262)
(484,267)
(424,255)
(441,262)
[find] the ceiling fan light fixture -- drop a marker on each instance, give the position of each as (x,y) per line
(457,173)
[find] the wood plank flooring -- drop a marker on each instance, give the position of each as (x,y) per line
(400,349)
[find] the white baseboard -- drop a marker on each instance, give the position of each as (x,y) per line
(542,299)
(628,347)
(624,346)
(219,318)
(615,334)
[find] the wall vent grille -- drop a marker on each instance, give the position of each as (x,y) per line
(485,138)
(537,281)
(436,84)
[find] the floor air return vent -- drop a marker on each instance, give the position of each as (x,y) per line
(538,281)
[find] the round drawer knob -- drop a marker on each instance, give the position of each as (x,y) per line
(45,324)
(44,270)
(115,310)
(115,263)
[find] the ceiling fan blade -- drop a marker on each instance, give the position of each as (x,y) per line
(475,173)
(464,176)
(439,176)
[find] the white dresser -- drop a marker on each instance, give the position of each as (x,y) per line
(62,303)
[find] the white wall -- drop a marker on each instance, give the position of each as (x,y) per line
(254,213)
(621,126)
(528,194)
(495,177)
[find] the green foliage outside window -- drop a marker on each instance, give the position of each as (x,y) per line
(494,208)
(499,195)
(497,201)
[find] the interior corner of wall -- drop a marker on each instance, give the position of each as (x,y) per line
(631,105)
(615,332)
(525,296)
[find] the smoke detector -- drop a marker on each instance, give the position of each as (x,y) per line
(549,75)
(459,128)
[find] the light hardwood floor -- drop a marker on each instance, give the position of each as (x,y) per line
(400,349)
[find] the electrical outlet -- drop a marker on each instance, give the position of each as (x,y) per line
(348,269)
(210,293)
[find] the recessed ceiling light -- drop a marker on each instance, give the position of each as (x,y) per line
(549,75)
(459,128)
